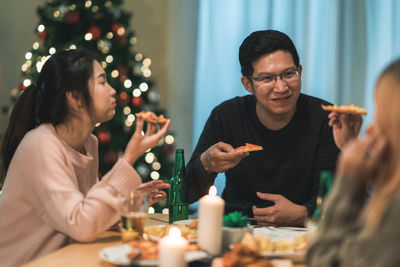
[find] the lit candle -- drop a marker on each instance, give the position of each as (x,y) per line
(172,249)
(211,211)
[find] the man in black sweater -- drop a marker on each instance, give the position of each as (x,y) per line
(279,184)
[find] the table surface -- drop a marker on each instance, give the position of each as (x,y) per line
(87,254)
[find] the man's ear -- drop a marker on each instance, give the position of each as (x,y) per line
(300,69)
(74,100)
(247,84)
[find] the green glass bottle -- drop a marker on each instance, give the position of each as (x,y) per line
(178,191)
(325,185)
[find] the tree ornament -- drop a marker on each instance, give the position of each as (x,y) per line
(124,99)
(42,36)
(72,17)
(104,136)
(137,101)
(95,31)
(115,26)
(122,70)
(21,87)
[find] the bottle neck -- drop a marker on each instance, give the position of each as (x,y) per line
(179,165)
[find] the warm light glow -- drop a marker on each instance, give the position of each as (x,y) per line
(174,232)
(149,158)
(41,28)
(104,64)
(88,36)
(169,139)
(147,61)
(97,124)
(109,59)
(127,110)
(27,82)
(114,74)
(165,211)
(138,57)
(147,73)
(109,35)
(154,175)
(35,45)
(128,83)
(24,67)
(131,118)
(108,3)
(56,13)
(136,92)
(28,55)
(52,50)
(72,7)
(121,31)
(128,123)
(72,46)
(95,9)
(143,87)
(212,191)
(156,165)
(151,210)
(88,3)
(133,41)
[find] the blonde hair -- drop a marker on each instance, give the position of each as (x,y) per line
(387,182)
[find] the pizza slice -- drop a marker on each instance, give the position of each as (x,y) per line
(249,147)
(349,109)
(150,117)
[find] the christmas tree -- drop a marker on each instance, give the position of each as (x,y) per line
(103,27)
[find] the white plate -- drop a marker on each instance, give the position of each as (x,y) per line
(118,255)
(183,222)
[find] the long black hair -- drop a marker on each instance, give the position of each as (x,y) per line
(44,101)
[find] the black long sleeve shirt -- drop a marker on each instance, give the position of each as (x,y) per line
(290,163)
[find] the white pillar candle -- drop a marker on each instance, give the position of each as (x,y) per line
(172,249)
(211,211)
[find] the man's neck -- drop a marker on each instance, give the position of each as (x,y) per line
(271,121)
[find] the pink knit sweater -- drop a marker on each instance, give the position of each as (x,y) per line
(52,194)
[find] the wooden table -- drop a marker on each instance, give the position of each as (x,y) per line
(87,254)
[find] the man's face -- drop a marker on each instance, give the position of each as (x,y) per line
(277,95)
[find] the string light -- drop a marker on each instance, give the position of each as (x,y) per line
(149,158)
(133,40)
(109,35)
(131,118)
(165,211)
(72,46)
(114,74)
(147,73)
(151,210)
(154,175)
(104,64)
(95,9)
(121,31)
(136,92)
(147,61)
(52,50)
(156,165)
(128,123)
(72,7)
(128,83)
(109,59)
(127,110)
(56,13)
(35,45)
(41,28)
(169,139)
(108,4)
(28,55)
(27,82)
(143,87)
(138,57)
(88,36)
(88,3)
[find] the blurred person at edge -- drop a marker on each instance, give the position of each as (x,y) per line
(278,185)
(49,160)
(356,232)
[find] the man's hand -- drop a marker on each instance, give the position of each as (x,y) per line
(345,127)
(221,157)
(283,213)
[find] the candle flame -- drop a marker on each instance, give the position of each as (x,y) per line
(174,232)
(212,191)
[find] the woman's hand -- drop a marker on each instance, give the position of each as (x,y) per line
(140,143)
(360,158)
(345,127)
(154,190)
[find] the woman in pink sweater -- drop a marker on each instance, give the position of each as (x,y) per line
(49,161)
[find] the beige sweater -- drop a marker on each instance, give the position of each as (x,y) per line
(52,194)
(342,240)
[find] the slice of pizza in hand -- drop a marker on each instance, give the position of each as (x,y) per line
(349,109)
(249,147)
(150,117)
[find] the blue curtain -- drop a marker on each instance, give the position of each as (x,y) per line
(343,47)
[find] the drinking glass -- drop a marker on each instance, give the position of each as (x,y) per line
(134,210)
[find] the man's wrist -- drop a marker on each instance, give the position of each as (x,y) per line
(203,163)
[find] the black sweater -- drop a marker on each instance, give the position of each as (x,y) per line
(290,163)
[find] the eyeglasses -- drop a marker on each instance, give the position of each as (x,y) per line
(287,76)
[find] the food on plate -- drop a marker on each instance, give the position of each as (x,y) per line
(249,147)
(262,243)
(349,109)
(151,117)
(148,250)
(189,231)
(241,255)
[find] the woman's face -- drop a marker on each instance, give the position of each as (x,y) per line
(103,95)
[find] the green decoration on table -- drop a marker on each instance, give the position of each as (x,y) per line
(235,219)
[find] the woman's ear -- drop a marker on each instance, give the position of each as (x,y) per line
(247,84)
(74,100)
